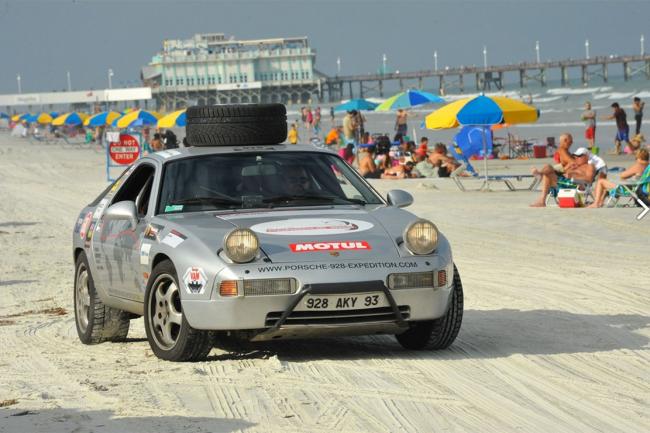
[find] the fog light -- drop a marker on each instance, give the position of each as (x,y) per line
(228,288)
(275,286)
(411,280)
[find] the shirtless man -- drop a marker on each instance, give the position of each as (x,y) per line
(367,166)
(633,172)
(549,172)
(399,172)
(401,127)
(447,166)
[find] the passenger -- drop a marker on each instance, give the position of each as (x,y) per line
(603,186)
(298,182)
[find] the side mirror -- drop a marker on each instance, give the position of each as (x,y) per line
(399,198)
(122,211)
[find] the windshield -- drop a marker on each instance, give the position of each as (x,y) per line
(260,180)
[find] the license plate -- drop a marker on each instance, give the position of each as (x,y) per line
(355,301)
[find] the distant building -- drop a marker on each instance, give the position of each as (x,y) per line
(211,69)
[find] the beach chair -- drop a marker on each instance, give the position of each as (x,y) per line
(506,179)
(628,191)
(585,187)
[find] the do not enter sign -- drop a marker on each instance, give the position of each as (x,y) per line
(126,151)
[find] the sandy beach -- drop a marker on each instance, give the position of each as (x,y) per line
(555,335)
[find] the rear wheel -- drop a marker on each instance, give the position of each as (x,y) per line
(96,323)
(170,335)
(439,333)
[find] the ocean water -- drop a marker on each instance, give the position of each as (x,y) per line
(560,111)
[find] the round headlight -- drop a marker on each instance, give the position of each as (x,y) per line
(421,237)
(241,245)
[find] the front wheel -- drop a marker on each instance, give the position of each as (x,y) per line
(169,334)
(439,333)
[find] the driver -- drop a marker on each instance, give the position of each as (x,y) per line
(298,181)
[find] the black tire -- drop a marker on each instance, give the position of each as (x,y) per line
(236,125)
(96,323)
(439,333)
(188,344)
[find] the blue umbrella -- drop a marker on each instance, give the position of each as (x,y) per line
(4,116)
(408,99)
(356,104)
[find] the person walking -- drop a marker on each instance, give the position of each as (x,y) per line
(401,126)
(637,106)
(622,127)
(589,117)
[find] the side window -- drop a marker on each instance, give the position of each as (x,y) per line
(137,188)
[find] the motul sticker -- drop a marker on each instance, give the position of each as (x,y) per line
(306,247)
(311,226)
(195,280)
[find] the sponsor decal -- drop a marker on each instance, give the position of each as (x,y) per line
(144,254)
(173,208)
(77,225)
(99,210)
(115,186)
(173,238)
(195,280)
(311,226)
(152,231)
(91,229)
(307,247)
(337,266)
(84,225)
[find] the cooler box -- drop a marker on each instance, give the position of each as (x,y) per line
(539,151)
(569,198)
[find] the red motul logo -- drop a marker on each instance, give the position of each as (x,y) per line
(306,247)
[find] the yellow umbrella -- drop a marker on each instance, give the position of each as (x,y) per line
(17,117)
(44,118)
(137,118)
(73,118)
(177,118)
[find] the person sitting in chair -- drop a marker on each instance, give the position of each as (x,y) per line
(633,172)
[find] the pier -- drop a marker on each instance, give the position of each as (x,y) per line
(484,78)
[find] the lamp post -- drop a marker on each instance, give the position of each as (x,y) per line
(484,56)
(20,89)
(435,60)
(642,45)
(587,48)
(537,51)
(110,78)
(338,65)
(383,64)
(69,82)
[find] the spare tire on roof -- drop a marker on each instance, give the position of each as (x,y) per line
(236,125)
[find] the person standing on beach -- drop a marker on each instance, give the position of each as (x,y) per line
(292,135)
(349,126)
(316,122)
(637,106)
(401,126)
(589,117)
(622,128)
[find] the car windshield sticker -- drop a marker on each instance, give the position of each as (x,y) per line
(311,226)
(173,208)
(152,231)
(84,225)
(195,280)
(99,210)
(144,253)
(229,215)
(305,247)
(173,239)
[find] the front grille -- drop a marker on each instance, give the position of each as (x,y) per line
(383,314)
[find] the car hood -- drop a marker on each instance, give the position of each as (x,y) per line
(291,235)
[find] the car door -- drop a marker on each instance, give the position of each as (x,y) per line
(120,242)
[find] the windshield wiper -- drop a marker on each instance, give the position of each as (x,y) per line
(312,198)
(207,200)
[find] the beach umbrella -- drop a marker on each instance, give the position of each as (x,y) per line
(356,104)
(44,118)
(19,117)
(4,116)
(54,114)
(101,119)
(72,118)
(177,118)
(136,118)
(408,99)
(482,111)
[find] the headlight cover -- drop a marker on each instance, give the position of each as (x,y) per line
(241,245)
(421,237)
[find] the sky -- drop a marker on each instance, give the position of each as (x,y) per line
(43,39)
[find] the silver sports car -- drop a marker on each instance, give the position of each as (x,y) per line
(258,243)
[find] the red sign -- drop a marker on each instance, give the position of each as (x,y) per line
(126,151)
(305,247)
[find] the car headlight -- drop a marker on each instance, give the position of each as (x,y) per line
(421,237)
(241,245)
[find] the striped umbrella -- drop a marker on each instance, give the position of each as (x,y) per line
(136,118)
(408,99)
(73,118)
(102,119)
(177,118)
